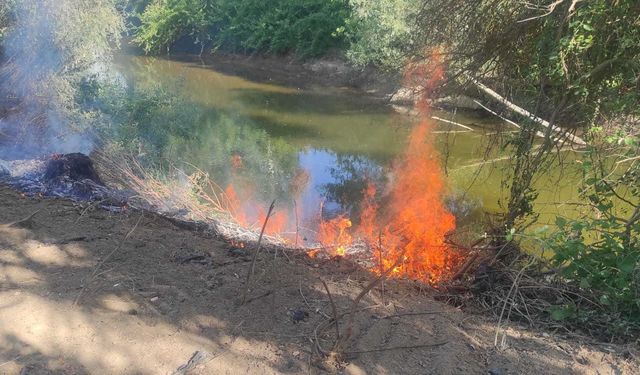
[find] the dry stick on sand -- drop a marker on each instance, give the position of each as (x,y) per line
(514,286)
(255,255)
(94,274)
(22,222)
(418,346)
(381,266)
(338,351)
(341,340)
(334,310)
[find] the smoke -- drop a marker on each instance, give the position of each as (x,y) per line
(50,48)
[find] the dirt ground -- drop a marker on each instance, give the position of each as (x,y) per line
(85,291)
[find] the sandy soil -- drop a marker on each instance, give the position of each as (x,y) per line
(88,291)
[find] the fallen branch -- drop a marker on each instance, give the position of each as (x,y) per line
(22,223)
(198,358)
(521,111)
(255,255)
(334,310)
(399,348)
(354,306)
(413,314)
(452,123)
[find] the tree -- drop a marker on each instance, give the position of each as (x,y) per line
(574,63)
(50,47)
(381,32)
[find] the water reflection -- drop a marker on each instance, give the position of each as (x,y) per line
(315,146)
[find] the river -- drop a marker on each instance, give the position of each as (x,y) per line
(320,145)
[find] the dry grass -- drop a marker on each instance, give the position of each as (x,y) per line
(192,197)
(502,279)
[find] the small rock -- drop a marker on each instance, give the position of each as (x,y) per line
(299,315)
(154,299)
(582,360)
(296,353)
(495,371)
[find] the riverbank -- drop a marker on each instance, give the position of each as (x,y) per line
(87,291)
(331,71)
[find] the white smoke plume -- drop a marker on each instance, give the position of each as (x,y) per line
(51,46)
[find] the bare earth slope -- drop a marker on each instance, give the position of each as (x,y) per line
(79,296)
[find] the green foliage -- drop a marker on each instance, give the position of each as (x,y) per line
(53,45)
(381,32)
(163,22)
(156,125)
(6,16)
(307,27)
(600,251)
(575,61)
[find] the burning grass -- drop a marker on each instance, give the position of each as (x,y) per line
(405,233)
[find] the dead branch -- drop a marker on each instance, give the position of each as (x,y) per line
(23,223)
(334,311)
(413,314)
(398,348)
(255,254)
(523,112)
(354,306)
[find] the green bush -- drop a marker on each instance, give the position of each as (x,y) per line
(381,32)
(600,252)
(306,27)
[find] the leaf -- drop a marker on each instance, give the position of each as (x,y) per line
(561,222)
(561,313)
(584,284)
(627,265)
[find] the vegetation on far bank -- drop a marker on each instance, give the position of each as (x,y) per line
(571,63)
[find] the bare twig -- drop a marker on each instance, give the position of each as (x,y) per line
(306,302)
(398,348)
(94,274)
(255,254)
(506,302)
(413,314)
(349,327)
(295,212)
(22,222)
(334,311)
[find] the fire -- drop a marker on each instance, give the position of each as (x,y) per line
(407,235)
(410,234)
(334,234)
(251,214)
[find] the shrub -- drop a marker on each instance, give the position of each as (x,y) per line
(306,27)
(600,251)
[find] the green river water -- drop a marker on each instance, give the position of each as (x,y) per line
(335,138)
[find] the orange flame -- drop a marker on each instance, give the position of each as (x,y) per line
(410,235)
(334,234)
(251,214)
